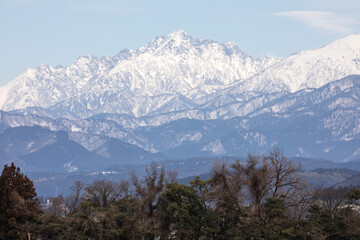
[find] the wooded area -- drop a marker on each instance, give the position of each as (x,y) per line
(261,198)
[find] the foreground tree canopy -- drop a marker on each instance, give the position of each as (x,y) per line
(18,205)
(260,198)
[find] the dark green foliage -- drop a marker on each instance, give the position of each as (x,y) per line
(353,195)
(322,225)
(182,213)
(276,224)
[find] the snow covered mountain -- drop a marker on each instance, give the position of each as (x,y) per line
(321,122)
(188,97)
(173,73)
(167,70)
(315,68)
(39,149)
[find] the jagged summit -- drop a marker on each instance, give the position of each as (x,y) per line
(173,73)
(187,97)
(175,43)
(182,43)
(179,35)
(173,64)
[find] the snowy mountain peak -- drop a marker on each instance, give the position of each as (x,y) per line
(346,47)
(350,42)
(87,58)
(179,36)
(315,68)
(173,73)
(175,43)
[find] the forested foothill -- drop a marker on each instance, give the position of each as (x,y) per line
(259,198)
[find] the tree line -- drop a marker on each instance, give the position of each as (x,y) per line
(259,198)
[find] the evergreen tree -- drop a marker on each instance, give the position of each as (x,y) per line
(181,212)
(18,204)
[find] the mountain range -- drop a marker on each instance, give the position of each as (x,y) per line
(181,97)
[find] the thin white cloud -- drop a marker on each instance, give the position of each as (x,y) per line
(327,21)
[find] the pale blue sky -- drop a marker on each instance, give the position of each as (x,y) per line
(34,32)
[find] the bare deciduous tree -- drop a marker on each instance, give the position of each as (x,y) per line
(74,199)
(148,192)
(227,185)
(300,201)
(58,206)
(257,179)
(331,199)
(102,192)
(282,174)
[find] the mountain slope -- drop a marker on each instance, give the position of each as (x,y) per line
(315,68)
(177,64)
(174,73)
(39,149)
(321,122)
(187,97)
